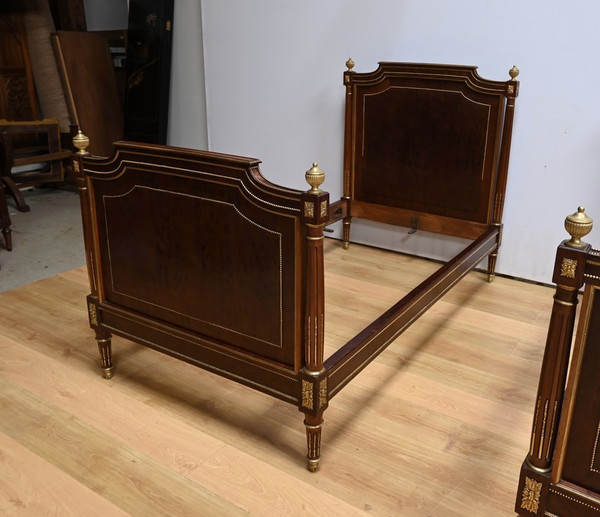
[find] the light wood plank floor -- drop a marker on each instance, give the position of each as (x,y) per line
(437,426)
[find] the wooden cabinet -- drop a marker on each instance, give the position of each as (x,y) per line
(148,70)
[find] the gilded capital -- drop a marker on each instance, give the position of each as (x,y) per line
(81,142)
(314,177)
(578,225)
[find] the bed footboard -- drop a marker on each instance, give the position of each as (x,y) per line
(560,473)
(196,255)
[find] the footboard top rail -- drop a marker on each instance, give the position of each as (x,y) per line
(182,162)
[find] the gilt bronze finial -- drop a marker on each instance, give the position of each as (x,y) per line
(81,142)
(513,72)
(314,177)
(350,64)
(578,225)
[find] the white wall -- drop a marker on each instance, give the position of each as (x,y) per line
(187,105)
(273,71)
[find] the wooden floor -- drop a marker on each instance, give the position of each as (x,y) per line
(437,426)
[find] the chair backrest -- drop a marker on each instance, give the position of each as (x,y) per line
(19,102)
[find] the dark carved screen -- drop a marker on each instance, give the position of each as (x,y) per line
(148,66)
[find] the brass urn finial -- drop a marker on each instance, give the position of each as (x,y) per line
(578,225)
(350,64)
(513,72)
(81,142)
(314,177)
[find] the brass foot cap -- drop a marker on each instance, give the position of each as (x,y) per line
(108,372)
(312,465)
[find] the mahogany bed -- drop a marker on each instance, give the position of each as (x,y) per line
(197,255)
(561,473)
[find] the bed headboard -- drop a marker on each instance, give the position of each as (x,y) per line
(427,146)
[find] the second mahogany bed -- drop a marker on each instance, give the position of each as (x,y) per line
(197,255)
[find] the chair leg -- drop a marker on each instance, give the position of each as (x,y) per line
(14,191)
(7,233)
(5,220)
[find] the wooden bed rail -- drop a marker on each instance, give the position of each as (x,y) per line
(355,355)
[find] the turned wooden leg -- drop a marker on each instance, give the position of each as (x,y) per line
(346,232)
(492,266)
(313,424)
(105,348)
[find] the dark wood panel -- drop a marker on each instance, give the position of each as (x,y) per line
(581,464)
(191,240)
(68,15)
(91,86)
(241,291)
(426,150)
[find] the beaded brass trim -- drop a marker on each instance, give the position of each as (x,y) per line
(593,463)
(568,268)
(530,500)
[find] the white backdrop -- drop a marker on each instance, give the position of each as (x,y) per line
(273,78)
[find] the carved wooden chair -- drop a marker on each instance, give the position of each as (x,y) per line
(31,149)
(44,150)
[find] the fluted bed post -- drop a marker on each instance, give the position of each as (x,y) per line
(568,277)
(512,90)
(348,153)
(315,213)
(103,337)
